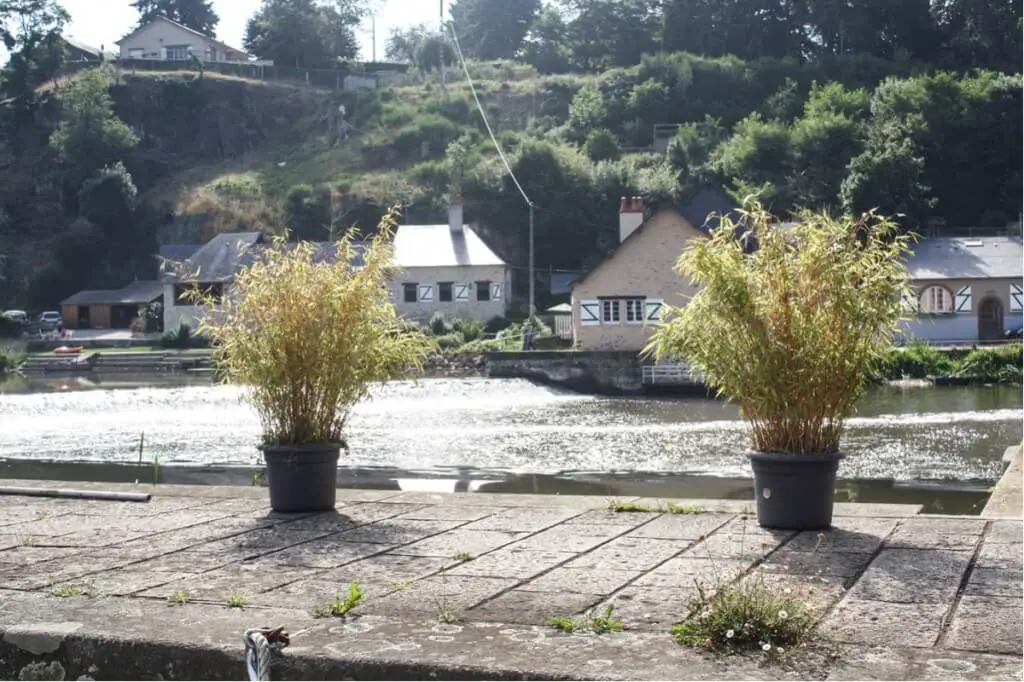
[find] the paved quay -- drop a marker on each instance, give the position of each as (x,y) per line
(126,590)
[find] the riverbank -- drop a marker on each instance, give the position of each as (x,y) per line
(135,590)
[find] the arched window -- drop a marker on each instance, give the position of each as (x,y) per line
(936,300)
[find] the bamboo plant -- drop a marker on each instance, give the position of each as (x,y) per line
(308,336)
(790,323)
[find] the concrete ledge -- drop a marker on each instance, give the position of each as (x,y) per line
(1007,500)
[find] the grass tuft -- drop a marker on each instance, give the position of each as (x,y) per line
(179,598)
(342,605)
(747,615)
(598,623)
(463,556)
(237,601)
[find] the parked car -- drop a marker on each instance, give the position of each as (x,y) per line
(49,320)
(17,315)
(1015,333)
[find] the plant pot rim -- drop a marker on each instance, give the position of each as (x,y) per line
(299,449)
(795,456)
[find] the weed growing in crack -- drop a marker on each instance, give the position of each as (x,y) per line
(68,590)
(342,605)
(179,598)
(598,623)
(463,556)
(444,613)
(626,506)
(237,601)
(27,540)
(746,615)
(398,585)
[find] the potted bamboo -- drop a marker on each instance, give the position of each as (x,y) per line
(307,336)
(791,331)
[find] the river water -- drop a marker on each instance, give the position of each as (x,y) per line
(513,426)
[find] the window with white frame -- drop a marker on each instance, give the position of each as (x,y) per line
(136,53)
(936,300)
(609,311)
(178,53)
(634,310)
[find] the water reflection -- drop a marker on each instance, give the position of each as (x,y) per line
(504,425)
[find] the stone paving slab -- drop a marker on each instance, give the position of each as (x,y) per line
(900,595)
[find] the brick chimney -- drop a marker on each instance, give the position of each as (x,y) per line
(631,216)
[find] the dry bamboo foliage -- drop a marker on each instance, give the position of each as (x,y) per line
(792,331)
(308,336)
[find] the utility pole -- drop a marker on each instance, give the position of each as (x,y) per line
(533,278)
(373,36)
(440,46)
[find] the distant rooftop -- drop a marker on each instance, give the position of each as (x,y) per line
(427,246)
(138,292)
(967,258)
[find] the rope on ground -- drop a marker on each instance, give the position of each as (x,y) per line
(259,646)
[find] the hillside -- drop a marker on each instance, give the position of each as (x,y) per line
(217,153)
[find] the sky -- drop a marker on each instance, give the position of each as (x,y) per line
(95,26)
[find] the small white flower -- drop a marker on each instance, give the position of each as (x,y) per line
(729,634)
(766,647)
(783,615)
(788,590)
(779,649)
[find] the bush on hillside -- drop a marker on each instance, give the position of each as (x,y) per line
(601,145)
(432,131)
(470,330)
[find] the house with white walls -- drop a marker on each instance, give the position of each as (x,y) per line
(165,39)
(448,269)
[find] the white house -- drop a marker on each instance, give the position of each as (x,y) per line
(448,269)
(442,268)
(163,38)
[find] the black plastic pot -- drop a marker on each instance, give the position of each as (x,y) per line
(794,492)
(302,478)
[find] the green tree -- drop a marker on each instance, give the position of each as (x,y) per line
(90,135)
(759,154)
(588,109)
(979,34)
(493,29)
(403,43)
(198,15)
(312,34)
(608,33)
(546,45)
(31,32)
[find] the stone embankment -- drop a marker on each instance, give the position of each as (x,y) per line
(460,586)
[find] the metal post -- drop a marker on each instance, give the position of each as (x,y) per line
(533,300)
(440,46)
(373,36)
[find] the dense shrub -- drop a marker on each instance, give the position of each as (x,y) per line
(993,365)
(181,338)
(449,341)
(427,130)
(470,330)
(917,361)
(439,326)
(601,145)
(9,328)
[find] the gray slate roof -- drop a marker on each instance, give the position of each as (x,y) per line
(219,259)
(705,208)
(431,246)
(141,291)
(938,258)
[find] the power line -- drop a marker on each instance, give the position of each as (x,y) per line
(483,114)
(501,153)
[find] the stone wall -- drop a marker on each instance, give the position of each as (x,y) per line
(602,372)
